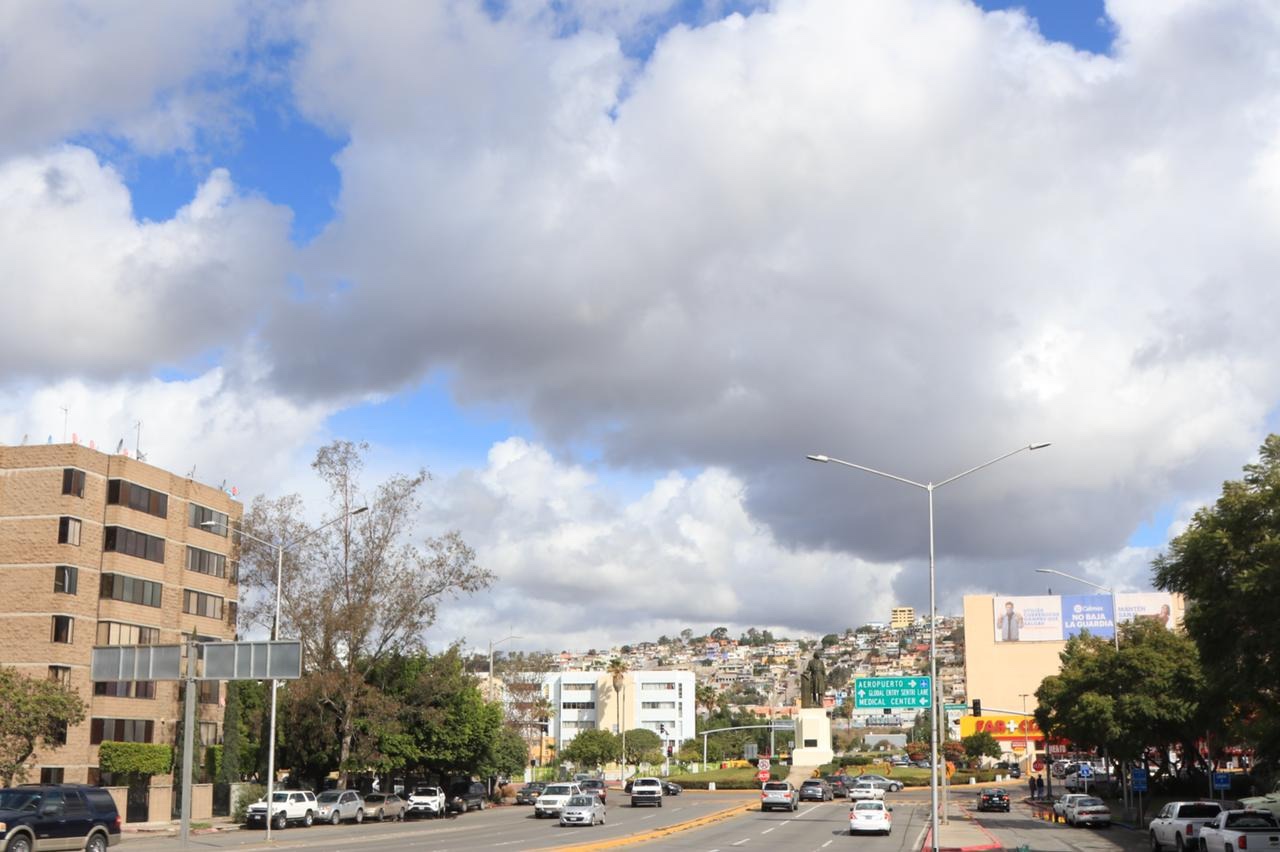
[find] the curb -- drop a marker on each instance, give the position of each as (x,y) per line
(993,844)
(657,833)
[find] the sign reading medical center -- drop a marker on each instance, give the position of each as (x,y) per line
(1052,618)
(1001,727)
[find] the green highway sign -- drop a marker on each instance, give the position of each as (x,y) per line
(892,692)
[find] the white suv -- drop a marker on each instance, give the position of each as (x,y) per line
(646,791)
(298,806)
(426,802)
(554,798)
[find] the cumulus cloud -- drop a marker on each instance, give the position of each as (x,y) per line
(578,565)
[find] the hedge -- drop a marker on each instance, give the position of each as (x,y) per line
(135,758)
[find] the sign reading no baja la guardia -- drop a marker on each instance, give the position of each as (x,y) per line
(1053,618)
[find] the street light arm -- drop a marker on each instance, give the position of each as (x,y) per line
(241,531)
(1100,588)
(901,479)
(989,463)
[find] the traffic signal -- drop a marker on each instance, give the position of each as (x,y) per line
(662,728)
(670,751)
(977,706)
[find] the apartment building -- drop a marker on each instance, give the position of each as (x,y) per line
(902,616)
(102,549)
(662,701)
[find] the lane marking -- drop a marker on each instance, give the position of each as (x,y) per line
(825,845)
(740,842)
(767,830)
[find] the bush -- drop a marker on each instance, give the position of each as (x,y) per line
(249,793)
(135,758)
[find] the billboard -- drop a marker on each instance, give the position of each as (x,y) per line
(1001,726)
(1053,618)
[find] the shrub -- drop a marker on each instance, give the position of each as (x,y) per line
(248,794)
(135,758)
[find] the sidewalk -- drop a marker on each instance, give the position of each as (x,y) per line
(961,833)
(171,828)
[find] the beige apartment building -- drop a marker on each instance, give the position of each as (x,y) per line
(101,549)
(902,616)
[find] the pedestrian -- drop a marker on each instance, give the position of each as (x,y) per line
(1039,786)
(1031,782)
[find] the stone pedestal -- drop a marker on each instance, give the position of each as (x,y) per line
(813,738)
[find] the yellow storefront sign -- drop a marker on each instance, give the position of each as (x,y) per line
(1002,727)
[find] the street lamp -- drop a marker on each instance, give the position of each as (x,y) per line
(492,643)
(275,629)
(1115,610)
(1026,730)
(930,487)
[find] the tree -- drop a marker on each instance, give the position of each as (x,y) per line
(32,713)
(917,749)
(980,745)
(507,756)
(232,730)
(1227,565)
(643,746)
(829,640)
(592,747)
(356,591)
(705,696)
(720,633)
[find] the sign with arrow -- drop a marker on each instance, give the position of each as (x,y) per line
(892,692)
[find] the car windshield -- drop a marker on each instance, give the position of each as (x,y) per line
(559,790)
(776,785)
(19,800)
(592,785)
(580,802)
(427,791)
(812,783)
(868,806)
(329,796)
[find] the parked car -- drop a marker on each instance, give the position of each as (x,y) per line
(296,806)
(582,810)
(994,799)
(335,806)
(427,801)
(646,791)
(1267,802)
(58,816)
(839,785)
(1088,810)
(1060,806)
(529,793)
(816,788)
(467,795)
(863,791)
(1015,771)
(554,797)
(594,786)
(1178,825)
(671,788)
(886,784)
(870,815)
(383,806)
(1241,829)
(778,794)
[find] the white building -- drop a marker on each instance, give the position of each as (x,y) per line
(661,701)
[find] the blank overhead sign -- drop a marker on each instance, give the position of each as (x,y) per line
(281,660)
(137,662)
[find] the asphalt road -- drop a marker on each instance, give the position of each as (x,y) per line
(1019,828)
(506,828)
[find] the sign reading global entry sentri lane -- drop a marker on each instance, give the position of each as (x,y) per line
(891,692)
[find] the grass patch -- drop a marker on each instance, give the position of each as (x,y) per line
(725,779)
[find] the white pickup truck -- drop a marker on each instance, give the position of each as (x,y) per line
(1231,831)
(1178,825)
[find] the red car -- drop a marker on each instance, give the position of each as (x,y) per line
(594,786)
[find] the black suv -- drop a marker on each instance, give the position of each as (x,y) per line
(57,816)
(465,795)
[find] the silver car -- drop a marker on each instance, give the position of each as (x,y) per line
(383,806)
(778,794)
(582,810)
(338,805)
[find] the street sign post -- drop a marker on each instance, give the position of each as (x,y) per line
(1222,781)
(892,692)
(1138,779)
(762,776)
(763,764)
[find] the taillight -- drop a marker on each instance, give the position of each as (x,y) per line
(1243,842)
(117,822)
(1191,829)
(763,794)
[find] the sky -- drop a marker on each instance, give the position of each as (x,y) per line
(610,270)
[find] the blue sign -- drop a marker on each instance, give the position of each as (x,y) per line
(1221,781)
(1138,779)
(1086,771)
(1088,612)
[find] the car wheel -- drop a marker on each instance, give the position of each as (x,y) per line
(359,815)
(1177,843)
(19,843)
(282,822)
(379,817)
(482,804)
(659,803)
(333,818)
(97,843)
(894,788)
(308,819)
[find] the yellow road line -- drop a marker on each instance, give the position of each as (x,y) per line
(656,833)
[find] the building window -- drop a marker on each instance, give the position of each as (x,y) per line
(123,493)
(69,531)
(208,691)
(651,687)
(657,705)
(64,579)
(115,633)
(209,734)
(578,687)
(62,628)
(120,730)
(199,603)
(579,705)
(73,482)
(51,774)
(133,543)
(125,688)
(119,587)
(60,675)
(206,562)
(207,520)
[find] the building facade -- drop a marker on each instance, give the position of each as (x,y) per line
(101,549)
(902,616)
(660,701)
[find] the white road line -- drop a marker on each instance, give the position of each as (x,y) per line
(740,842)
(784,822)
(825,845)
(767,830)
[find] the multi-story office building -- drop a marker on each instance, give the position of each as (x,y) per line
(902,616)
(99,549)
(661,701)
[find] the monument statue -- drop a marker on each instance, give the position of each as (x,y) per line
(813,682)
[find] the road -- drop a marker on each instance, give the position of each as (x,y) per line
(507,828)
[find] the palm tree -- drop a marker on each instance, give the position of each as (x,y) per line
(705,696)
(618,671)
(541,711)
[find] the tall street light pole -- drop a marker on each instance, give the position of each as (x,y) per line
(1115,610)
(492,643)
(1026,730)
(929,488)
(275,631)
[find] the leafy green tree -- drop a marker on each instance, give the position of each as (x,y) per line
(1227,566)
(921,729)
(980,745)
(592,747)
(720,633)
(643,746)
(829,640)
(32,712)
(232,734)
(508,753)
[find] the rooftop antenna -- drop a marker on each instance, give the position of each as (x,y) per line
(65,413)
(120,446)
(24,439)
(137,441)
(191,474)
